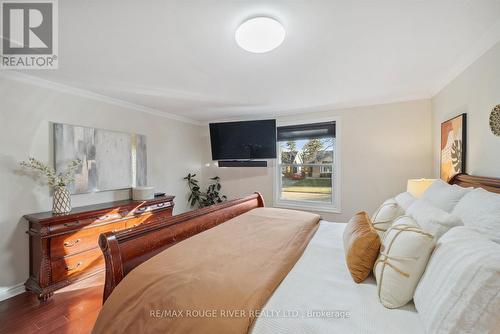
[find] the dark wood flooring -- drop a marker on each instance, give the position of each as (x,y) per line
(72,309)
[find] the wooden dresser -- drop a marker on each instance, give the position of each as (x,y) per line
(64,248)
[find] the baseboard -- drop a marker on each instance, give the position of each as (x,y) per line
(11,291)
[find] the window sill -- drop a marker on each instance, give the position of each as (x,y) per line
(307,207)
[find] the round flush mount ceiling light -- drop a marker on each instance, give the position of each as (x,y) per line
(260,34)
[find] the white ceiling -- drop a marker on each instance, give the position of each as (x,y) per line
(180,57)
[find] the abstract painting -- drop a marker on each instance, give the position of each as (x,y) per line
(453,146)
(111,160)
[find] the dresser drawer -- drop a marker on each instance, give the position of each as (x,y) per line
(75,242)
(72,266)
(64,248)
(77,224)
(147,218)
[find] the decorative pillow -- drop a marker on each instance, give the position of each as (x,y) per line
(403,256)
(432,219)
(361,244)
(460,290)
(404,200)
(444,195)
(384,216)
(480,209)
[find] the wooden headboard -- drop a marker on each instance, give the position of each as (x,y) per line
(487,183)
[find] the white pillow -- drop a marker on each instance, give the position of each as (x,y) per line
(404,253)
(384,216)
(444,195)
(460,289)
(432,219)
(480,209)
(404,200)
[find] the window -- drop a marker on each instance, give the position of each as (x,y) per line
(307,167)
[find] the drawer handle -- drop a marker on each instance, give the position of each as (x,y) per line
(71,243)
(72,224)
(75,267)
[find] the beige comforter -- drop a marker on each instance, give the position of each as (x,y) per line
(213,282)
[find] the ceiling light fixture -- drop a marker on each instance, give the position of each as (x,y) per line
(260,34)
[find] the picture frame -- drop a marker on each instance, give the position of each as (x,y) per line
(453,147)
(111,160)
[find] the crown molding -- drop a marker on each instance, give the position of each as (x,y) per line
(63,88)
(390,99)
(479,48)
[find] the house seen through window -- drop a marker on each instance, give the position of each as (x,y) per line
(306,164)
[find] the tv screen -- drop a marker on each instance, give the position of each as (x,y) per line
(243,140)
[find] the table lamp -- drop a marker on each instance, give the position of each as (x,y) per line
(417,187)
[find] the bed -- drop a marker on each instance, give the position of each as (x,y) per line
(320,281)
(316,296)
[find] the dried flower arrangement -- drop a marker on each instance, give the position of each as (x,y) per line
(61,179)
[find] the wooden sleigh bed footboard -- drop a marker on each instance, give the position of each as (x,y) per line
(126,249)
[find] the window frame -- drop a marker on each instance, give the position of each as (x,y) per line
(335,206)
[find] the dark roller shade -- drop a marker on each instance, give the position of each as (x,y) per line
(306,131)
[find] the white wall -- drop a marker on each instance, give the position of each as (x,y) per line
(475,92)
(382,147)
(25,113)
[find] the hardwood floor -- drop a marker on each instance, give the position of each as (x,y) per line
(72,309)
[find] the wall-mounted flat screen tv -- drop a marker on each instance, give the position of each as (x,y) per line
(243,140)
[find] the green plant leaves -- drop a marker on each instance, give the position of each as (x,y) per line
(210,197)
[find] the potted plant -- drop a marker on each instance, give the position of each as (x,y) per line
(210,197)
(61,202)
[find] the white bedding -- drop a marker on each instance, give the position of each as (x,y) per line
(320,281)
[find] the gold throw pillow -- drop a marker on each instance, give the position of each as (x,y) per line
(361,245)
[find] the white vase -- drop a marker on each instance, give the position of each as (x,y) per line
(61,202)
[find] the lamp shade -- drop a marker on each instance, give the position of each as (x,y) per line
(417,187)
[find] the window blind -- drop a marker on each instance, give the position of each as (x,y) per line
(306,131)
